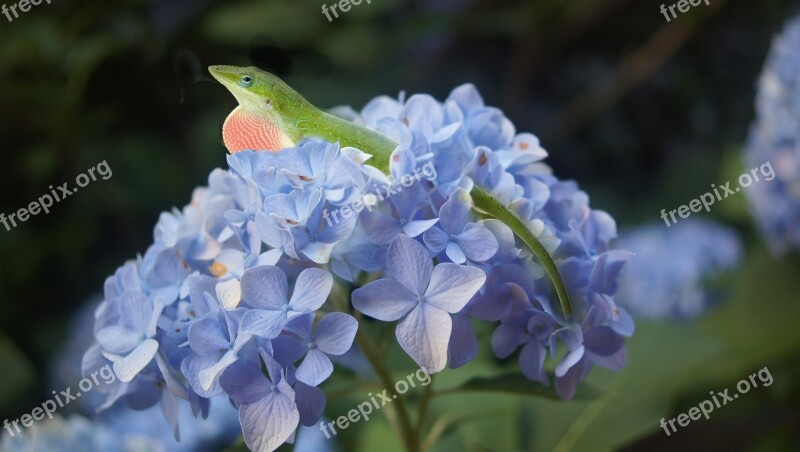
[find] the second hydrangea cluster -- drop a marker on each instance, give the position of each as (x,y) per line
(236,297)
(775,137)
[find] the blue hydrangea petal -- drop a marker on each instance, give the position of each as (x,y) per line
(602,340)
(269,422)
(380,227)
(127,367)
(243,382)
(507,337)
(477,243)
(567,385)
(315,368)
(379,108)
(384,299)
(265,287)
(301,326)
(414,228)
(572,358)
(335,333)
(463,346)
(452,286)
(531,361)
(288,349)
(424,333)
(410,264)
(467,97)
(456,212)
(207,336)
(436,240)
(118,339)
(311,290)
(455,253)
(495,303)
(264,323)
(136,311)
(192,368)
(310,403)
(209,376)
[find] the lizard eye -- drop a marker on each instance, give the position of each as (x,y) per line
(246,81)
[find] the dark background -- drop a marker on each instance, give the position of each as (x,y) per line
(643,113)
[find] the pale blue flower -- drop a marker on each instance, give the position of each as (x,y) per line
(421,297)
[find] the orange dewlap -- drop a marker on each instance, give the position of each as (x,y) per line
(244,130)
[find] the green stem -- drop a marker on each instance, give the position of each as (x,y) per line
(486,202)
(423,406)
(407,432)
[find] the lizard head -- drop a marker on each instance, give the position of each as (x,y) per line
(266,105)
(259,90)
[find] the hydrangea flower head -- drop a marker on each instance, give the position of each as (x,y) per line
(671,265)
(237,298)
(775,139)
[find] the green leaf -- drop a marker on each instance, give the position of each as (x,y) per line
(516,383)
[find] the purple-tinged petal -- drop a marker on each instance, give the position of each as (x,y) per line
(269,422)
(425,334)
(207,336)
(615,362)
(531,361)
(384,299)
(380,227)
(416,227)
(311,290)
(463,345)
(244,383)
(301,326)
(496,302)
(507,337)
(455,213)
(602,340)
(265,287)
(455,253)
(135,310)
(315,368)
(191,368)
(208,377)
(622,322)
(436,240)
(569,361)
(118,339)
(266,324)
(478,243)
(310,402)
(410,264)
(452,286)
(129,366)
(335,333)
(287,349)
(568,384)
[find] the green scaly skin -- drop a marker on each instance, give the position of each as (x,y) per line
(271,99)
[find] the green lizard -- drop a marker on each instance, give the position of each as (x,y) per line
(271,115)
